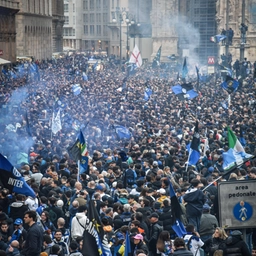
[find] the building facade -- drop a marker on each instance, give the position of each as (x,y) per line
(182,27)
(230,14)
(86,25)
(39,26)
(57,25)
(8,9)
(103,26)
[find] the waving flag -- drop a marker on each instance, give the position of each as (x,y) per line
(184,91)
(230,84)
(136,57)
(11,179)
(194,148)
(127,248)
(217,38)
(177,225)
(56,123)
(236,153)
(79,148)
(28,129)
(95,242)
(76,88)
(122,132)
(156,60)
(148,92)
(184,68)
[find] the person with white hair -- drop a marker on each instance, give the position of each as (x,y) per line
(126,216)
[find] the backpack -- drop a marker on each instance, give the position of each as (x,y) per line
(130,177)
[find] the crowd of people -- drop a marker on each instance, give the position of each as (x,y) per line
(128,179)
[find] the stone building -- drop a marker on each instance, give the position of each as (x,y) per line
(230,14)
(104,26)
(8,9)
(184,28)
(57,25)
(39,28)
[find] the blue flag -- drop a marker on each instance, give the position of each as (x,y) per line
(122,132)
(194,148)
(177,225)
(241,138)
(76,88)
(184,68)
(156,60)
(127,249)
(184,91)
(95,66)
(148,92)
(131,69)
(217,38)
(230,84)
(12,179)
(83,164)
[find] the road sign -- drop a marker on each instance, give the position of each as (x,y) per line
(237,204)
(211,70)
(211,60)
(1,52)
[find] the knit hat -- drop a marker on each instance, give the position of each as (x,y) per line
(211,169)
(154,215)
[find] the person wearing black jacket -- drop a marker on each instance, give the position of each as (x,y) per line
(139,244)
(180,249)
(166,217)
(236,246)
(194,199)
(154,230)
(54,212)
(34,242)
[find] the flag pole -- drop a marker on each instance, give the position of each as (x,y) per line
(78,172)
(188,159)
(228,172)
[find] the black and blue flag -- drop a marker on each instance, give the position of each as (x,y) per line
(11,179)
(230,84)
(184,91)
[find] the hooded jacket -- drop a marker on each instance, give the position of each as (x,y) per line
(195,200)
(17,210)
(78,224)
(236,246)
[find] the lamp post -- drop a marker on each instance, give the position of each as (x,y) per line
(119,16)
(243,32)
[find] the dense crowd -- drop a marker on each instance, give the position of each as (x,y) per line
(128,179)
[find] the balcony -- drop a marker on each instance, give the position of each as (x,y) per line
(9,4)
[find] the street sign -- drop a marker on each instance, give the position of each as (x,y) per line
(1,52)
(211,70)
(237,204)
(211,60)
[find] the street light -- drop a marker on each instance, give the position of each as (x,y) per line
(120,16)
(119,19)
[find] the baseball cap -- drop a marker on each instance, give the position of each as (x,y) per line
(161,191)
(139,237)
(206,207)
(18,221)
